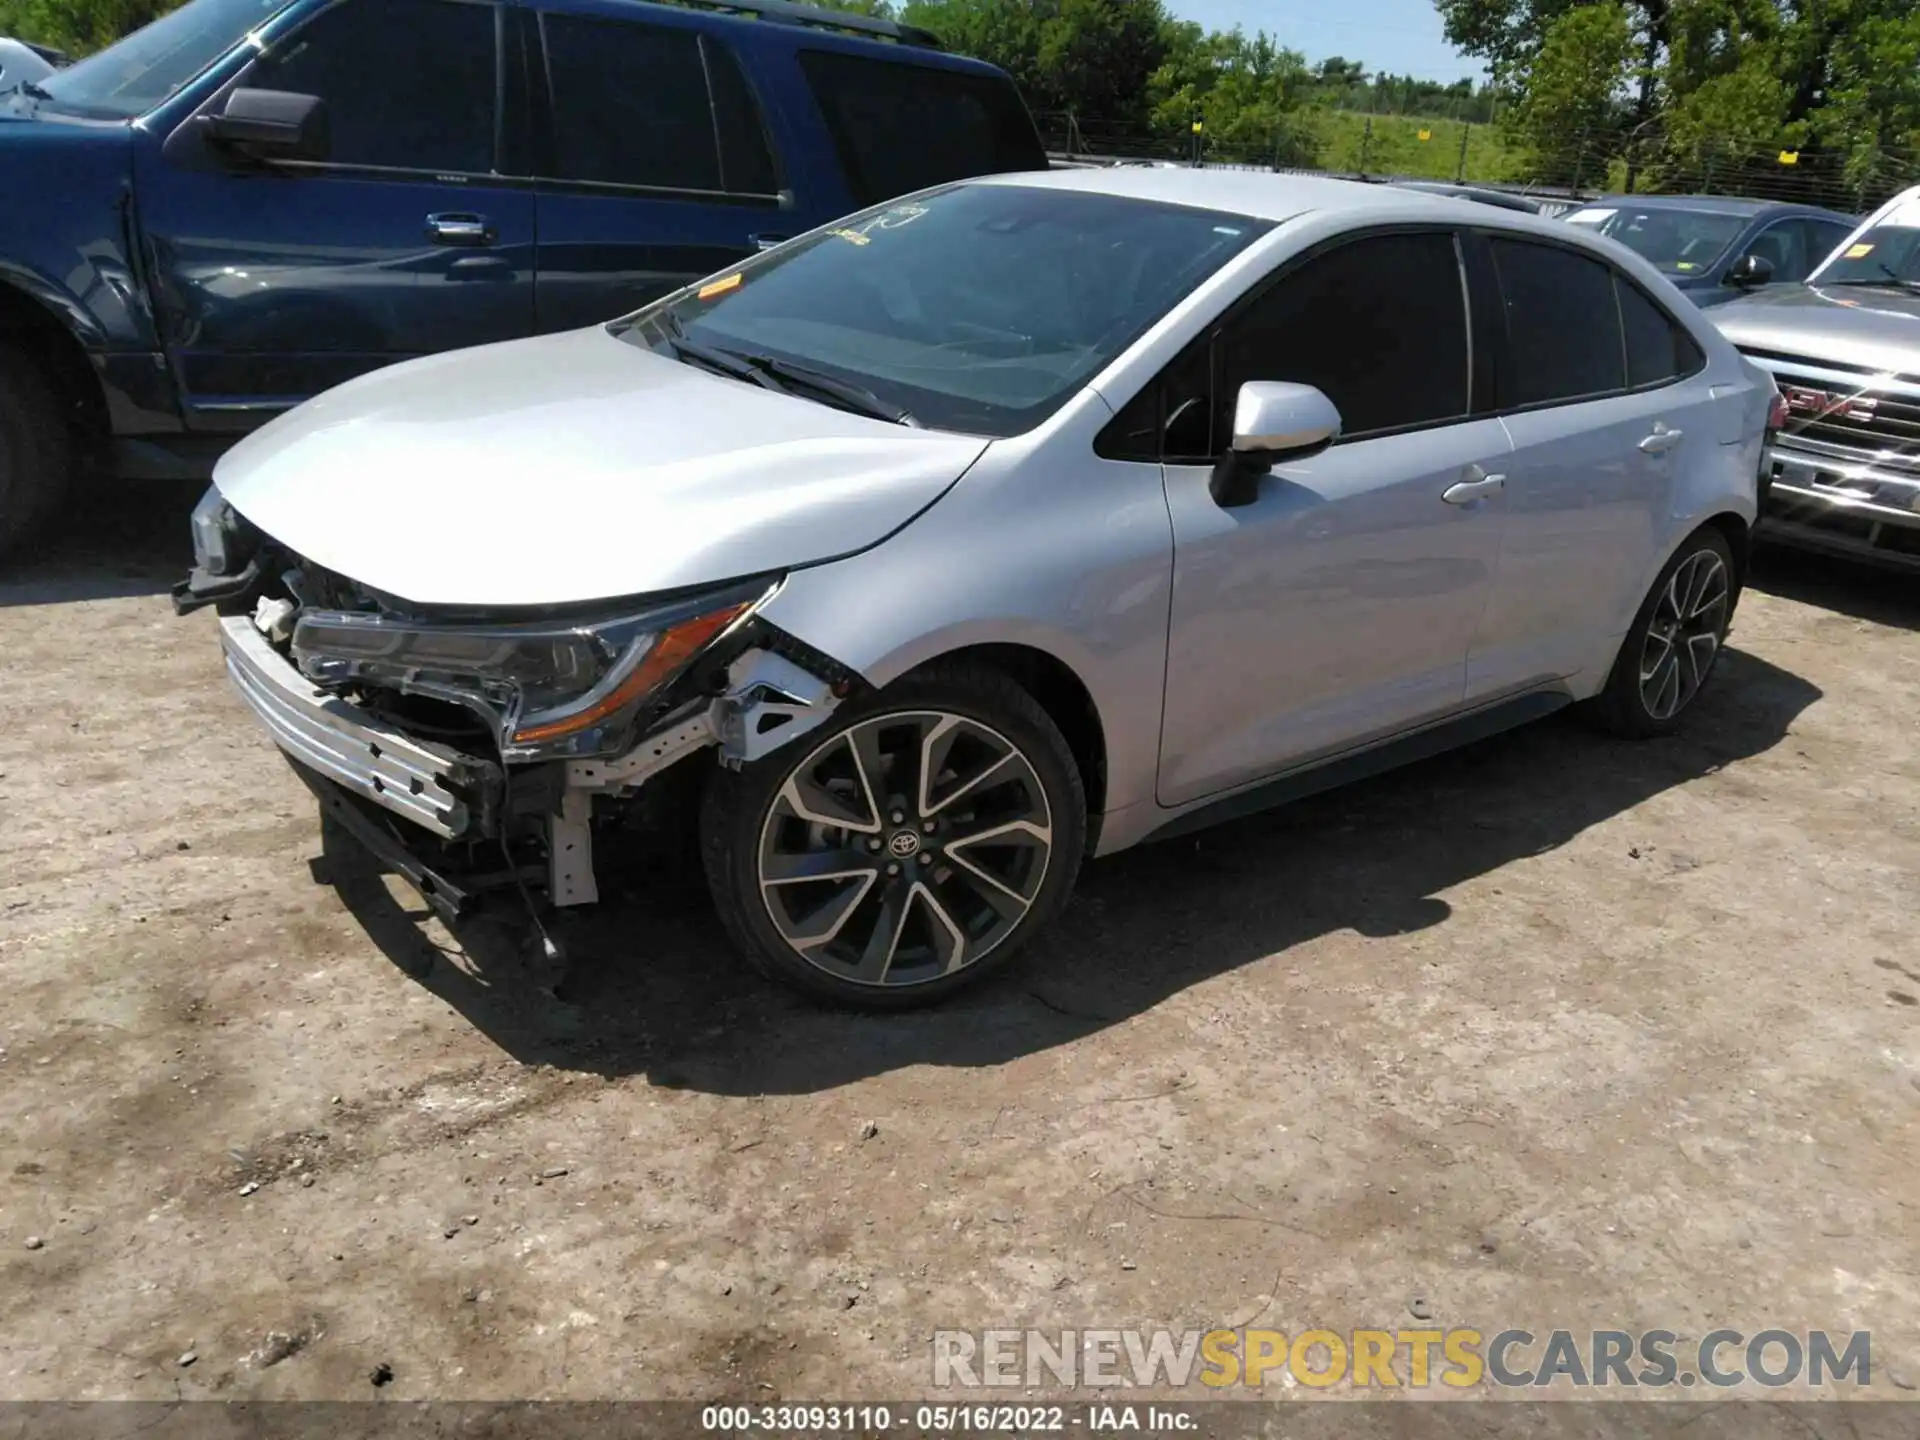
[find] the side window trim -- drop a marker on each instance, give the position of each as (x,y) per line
(545,150)
(1106,441)
(282,43)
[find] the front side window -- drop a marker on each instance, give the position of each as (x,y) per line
(1379,325)
(1885,254)
(1563,325)
(134,74)
(900,127)
(651,106)
(1784,247)
(1679,241)
(980,308)
(409,84)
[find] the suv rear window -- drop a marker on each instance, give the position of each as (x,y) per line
(902,127)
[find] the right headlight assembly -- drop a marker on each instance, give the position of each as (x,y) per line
(550,689)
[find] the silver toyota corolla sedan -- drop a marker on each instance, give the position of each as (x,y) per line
(922,558)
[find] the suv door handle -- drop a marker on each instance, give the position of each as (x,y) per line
(767,242)
(1662,439)
(1482,485)
(459,227)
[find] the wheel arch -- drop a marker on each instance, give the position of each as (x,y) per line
(39,332)
(1059,691)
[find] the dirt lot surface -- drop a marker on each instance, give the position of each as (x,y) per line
(1557,1031)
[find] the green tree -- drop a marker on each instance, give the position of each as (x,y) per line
(78,27)
(1570,105)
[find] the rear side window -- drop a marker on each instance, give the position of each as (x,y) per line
(901,127)
(651,106)
(1564,336)
(409,84)
(1379,325)
(1658,349)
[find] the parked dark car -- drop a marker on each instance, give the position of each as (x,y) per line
(250,201)
(1716,247)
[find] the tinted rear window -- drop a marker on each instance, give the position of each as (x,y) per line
(901,127)
(1563,327)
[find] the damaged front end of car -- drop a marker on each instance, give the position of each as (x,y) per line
(478,751)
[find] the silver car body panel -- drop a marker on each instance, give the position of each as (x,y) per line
(583,468)
(343,742)
(1348,605)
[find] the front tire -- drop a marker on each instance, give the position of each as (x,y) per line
(1674,642)
(908,849)
(36,451)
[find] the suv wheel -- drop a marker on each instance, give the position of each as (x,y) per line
(907,849)
(35,448)
(1674,642)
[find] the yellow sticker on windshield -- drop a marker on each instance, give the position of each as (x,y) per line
(720,287)
(853,235)
(1859,252)
(1685,265)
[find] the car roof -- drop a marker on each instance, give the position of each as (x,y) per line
(1257,194)
(1715,205)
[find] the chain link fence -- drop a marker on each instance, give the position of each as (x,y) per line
(1570,167)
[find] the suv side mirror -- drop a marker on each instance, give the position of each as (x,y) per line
(1751,270)
(272,125)
(1272,420)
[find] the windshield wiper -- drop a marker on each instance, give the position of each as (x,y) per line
(1893,278)
(848,397)
(723,362)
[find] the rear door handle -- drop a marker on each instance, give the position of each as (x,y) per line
(459,228)
(1468,491)
(1662,439)
(767,242)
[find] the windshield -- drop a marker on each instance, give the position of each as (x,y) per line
(131,76)
(1680,242)
(980,307)
(1887,253)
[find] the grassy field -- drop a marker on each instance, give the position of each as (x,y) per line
(1395,147)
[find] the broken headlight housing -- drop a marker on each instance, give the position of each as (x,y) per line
(552,688)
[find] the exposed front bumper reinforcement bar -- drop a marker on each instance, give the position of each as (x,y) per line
(427,784)
(449,899)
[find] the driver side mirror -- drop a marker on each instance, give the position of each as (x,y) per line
(271,125)
(1750,270)
(1273,420)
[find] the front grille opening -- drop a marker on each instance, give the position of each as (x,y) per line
(427,718)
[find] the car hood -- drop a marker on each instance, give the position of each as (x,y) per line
(575,467)
(1848,325)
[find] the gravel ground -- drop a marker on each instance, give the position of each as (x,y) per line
(1555,1032)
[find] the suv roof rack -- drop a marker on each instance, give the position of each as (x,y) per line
(784,12)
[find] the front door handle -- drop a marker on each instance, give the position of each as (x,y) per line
(767,242)
(1663,439)
(459,228)
(1468,491)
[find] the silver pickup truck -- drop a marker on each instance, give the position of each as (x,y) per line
(1843,472)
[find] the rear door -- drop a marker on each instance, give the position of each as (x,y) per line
(898,126)
(274,284)
(1604,396)
(654,158)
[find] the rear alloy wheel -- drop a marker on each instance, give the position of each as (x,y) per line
(1675,640)
(909,851)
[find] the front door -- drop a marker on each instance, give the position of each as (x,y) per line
(1337,608)
(656,168)
(274,284)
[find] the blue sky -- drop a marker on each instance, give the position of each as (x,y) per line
(1400,36)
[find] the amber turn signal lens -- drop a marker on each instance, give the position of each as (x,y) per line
(672,650)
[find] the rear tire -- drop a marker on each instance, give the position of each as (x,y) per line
(36,449)
(836,869)
(1673,643)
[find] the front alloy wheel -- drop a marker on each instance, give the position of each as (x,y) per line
(908,851)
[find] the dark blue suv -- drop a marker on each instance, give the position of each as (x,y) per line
(250,201)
